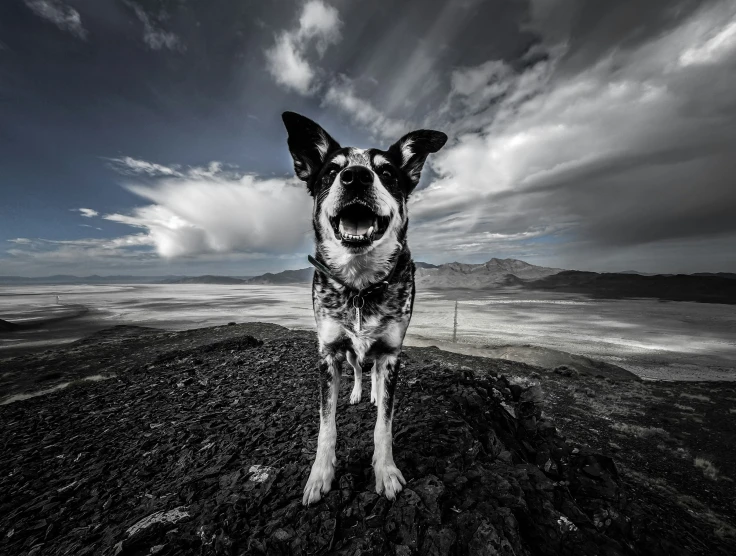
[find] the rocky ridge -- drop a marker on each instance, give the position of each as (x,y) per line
(203,440)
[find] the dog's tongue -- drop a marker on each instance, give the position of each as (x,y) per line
(356,227)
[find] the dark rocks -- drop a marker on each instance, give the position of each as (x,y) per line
(438,542)
(564,370)
(152,527)
(207,452)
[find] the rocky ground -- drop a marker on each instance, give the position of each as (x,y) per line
(202,441)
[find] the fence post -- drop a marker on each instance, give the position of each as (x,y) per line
(454,325)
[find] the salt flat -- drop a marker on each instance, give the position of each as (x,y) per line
(654,339)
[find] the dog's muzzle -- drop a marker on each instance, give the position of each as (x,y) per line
(357,224)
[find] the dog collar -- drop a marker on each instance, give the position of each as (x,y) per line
(358,298)
(359,293)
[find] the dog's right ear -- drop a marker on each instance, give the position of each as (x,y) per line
(309,145)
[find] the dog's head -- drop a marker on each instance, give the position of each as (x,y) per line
(359,195)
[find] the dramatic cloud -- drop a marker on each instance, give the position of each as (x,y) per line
(64,17)
(582,134)
(319,26)
(212,210)
(628,151)
(154,36)
(89,213)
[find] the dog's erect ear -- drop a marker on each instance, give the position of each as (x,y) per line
(412,149)
(309,145)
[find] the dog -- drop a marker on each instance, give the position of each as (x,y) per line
(363,286)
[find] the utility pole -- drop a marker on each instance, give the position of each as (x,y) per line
(454,325)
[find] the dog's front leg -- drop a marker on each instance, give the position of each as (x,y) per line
(374,372)
(389,479)
(323,469)
(357,392)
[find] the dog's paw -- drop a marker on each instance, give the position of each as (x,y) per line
(389,480)
(320,481)
(355,395)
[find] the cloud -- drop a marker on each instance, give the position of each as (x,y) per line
(319,27)
(321,23)
(289,67)
(214,210)
(64,17)
(624,153)
(43,254)
(133,167)
(154,36)
(133,254)
(712,47)
(341,94)
(89,213)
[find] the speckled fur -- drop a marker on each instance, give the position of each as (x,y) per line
(376,342)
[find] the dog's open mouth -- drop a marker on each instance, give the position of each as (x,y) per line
(356,224)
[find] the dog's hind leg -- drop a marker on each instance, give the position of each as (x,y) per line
(389,479)
(357,392)
(323,469)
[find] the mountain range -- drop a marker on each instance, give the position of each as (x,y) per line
(500,273)
(704,288)
(495,273)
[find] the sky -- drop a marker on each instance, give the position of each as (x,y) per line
(145,137)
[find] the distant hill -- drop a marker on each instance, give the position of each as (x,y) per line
(301,276)
(207,279)
(640,273)
(420,264)
(678,287)
(729,275)
(494,273)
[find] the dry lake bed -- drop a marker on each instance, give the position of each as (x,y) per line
(663,340)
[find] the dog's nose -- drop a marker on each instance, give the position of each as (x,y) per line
(356,175)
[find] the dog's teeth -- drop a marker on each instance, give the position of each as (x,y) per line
(370,232)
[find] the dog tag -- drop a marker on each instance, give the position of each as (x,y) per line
(358,303)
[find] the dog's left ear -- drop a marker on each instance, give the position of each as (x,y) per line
(309,145)
(412,149)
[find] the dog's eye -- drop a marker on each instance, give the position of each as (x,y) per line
(387,175)
(329,176)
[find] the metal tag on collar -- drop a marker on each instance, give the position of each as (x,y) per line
(358,303)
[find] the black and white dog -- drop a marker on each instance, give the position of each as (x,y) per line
(363,289)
